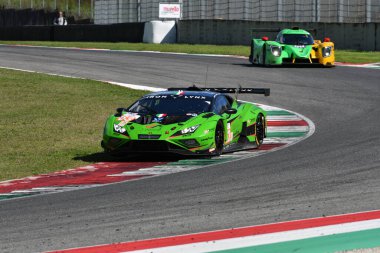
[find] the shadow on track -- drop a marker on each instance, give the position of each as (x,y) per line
(105,157)
(285,66)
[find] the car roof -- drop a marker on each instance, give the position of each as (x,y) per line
(294,31)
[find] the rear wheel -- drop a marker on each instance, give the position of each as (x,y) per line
(260,130)
(219,139)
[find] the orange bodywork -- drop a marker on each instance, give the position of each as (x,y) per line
(317,53)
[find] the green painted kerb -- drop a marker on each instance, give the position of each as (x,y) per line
(325,244)
(286,134)
(279,113)
(11,196)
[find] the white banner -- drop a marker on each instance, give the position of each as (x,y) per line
(170,11)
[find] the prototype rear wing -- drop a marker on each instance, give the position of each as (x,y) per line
(263,91)
(264,31)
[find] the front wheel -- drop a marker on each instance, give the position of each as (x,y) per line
(219,139)
(264,55)
(252,55)
(260,130)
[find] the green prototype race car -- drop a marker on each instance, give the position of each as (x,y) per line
(292,46)
(192,121)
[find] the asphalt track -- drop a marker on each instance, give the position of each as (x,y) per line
(335,171)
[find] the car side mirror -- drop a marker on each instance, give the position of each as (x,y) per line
(230,111)
(120,110)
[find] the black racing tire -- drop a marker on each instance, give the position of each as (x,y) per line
(260,130)
(219,138)
(252,55)
(264,55)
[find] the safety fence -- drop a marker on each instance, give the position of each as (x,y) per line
(334,11)
(79,9)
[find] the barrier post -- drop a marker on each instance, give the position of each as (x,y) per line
(279,10)
(138,11)
(368,11)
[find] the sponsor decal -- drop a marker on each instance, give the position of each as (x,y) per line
(196,97)
(151,126)
(180,93)
(125,118)
(156,96)
(192,114)
(159,118)
(229,133)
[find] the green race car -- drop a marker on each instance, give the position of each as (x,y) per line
(190,121)
(292,46)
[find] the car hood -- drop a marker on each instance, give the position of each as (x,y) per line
(298,51)
(159,126)
(159,119)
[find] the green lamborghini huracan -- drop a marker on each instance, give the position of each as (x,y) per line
(190,121)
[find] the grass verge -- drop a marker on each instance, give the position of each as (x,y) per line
(340,55)
(46,122)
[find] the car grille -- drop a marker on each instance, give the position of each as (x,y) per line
(149,136)
(149,146)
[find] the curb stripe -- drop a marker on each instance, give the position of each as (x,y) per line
(278,113)
(83,176)
(230,233)
(285,134)
(340,242)
(268,240)
(287,123)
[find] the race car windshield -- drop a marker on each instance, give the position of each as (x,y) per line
(297,39)
(171,105)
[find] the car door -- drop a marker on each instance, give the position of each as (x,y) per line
(231,126)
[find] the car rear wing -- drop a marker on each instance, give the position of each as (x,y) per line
(264,31)
(263,91)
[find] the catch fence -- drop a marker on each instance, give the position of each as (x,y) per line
(334,11)
(80,9)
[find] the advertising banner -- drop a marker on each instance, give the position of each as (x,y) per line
(170,10)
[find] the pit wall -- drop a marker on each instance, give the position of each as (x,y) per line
(128,32)
(356,36)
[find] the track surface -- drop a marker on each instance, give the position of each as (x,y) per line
(335,171)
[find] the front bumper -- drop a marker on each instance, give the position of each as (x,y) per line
(154,146)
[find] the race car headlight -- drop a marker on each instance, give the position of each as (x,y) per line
(119,129)
(276,51)
(326,51)
(189,129)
